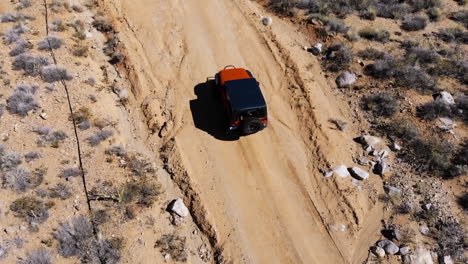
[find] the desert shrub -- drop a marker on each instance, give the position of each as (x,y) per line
(40,256)
(392,10)
(50,42)
(61,191)
(24,4)
(8,160)
(462,104)
(336,25)
(33,155)
(174,246)
(461,17)
(369,13)
(10,37)
(453,34)
(42,130)
(99,217)
(2,110)
(52,139)
(22,100)
(400,128)
(21,180)
(102,25)
(434,14)
(412,77)
(450,237)
(382,69)
(139,165)
(380,35)
(58,26)
(84,125)
(435,109)
(451,68)
(116,151)
(418,5)
(21,46)
(461,155)
(414,23)
(71,173)
(421,55)
(97,137)
(380,104)
(463,201)
(81,115)
(30,209)
(143,193)
(76,239)
(282,7)
(29,64)
(8,17)
(371,54)
(77,8)
(54,73)
(56,6)
(338,57)
(409,44)
(80,51)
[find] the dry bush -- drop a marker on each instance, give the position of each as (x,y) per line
(369,13)
(33,155)
(142,192)
(58,25)
(380,35)
(22,100)
(336,25)
(453,34)
(97,137)
(422,56)
(463,201)
(450,237)
(380,104)
(414,23)
(42,130)
(101,24)
(393,10)
(71,173)
(54,73)
(2,111)
(174,246)
(435,109)
(371,54)
(50,42)
(8,160)
(52,139)
(29,64)
(21,180)
(21,46)
(412,77)
(382,69)
(80,51)
(434,14)
(462,104)
(461,17)
(117,151)
(24,4)
(8,17)
(82,117)
(338,57)
(61,191)
(40,256)
(453,68)
(30,209)
(84,125)
(76,239)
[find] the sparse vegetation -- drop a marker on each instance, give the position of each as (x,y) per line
(382,69)
(97,137)
(54,73)
(33,155)
(102,25)
(412,77)
(371,54)
(421,55)
(143,193)
(29,64)
(451,239)
(58,26)
(30,209)
(21,180)
(338,57)
(435,109)
(174,246)
(434,14)
(52,139)
(80,51)
(76,239)
(71,173)
(461,17)
(61,191)
(50,42)
(117,151)
(380,35)
(21,46)
(453,34)
(40,256)
(22,100)
(336,25)
(380,104)
(414,23)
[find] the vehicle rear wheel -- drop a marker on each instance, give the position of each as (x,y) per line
(251,125)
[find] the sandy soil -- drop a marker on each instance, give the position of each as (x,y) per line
(260,199)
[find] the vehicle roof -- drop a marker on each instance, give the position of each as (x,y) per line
(245,94)
(233,74)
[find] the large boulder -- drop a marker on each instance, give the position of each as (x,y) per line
(341,171)
(389,247)
(178,207)
(359,173)
(445,98)
(346,79)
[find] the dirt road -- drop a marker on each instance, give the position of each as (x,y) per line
(263,195)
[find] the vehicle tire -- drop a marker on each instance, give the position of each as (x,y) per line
(251,125)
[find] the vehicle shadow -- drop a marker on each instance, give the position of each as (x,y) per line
(208,113)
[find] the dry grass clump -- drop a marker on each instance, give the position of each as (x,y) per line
(58,26)
(14,33)
(102,25)
(380,104)
(371,54)
(173,245)
(23,100)
(71,173)
(461,17)
(435,109)
(33,155)
(414,23)
(52,139)
(21,179)
(336,25)
(8,160)
(30,209)
(40,256)
(61,191)
(50,42)
(453,34)
(97,137)
(416,78)
(142,192)
(380,35)
(76,239)
(384,68)
(80,50)
(338,57)
(54,73)
(31,65)
(21,46)
(421,56)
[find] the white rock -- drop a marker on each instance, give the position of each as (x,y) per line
(446,260)
(395,147)
(370,141)
(446,121)
(383,154)
(421,256)
(179,208)
(328,174)
(341,171)
(424,229)
(445,97)
(378,251)
(43,116)
(381,168)
(123,94)
(359,173)
(404,250)
(267,21)
(316,49)
(346,79)
(390,190)
(389,247)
